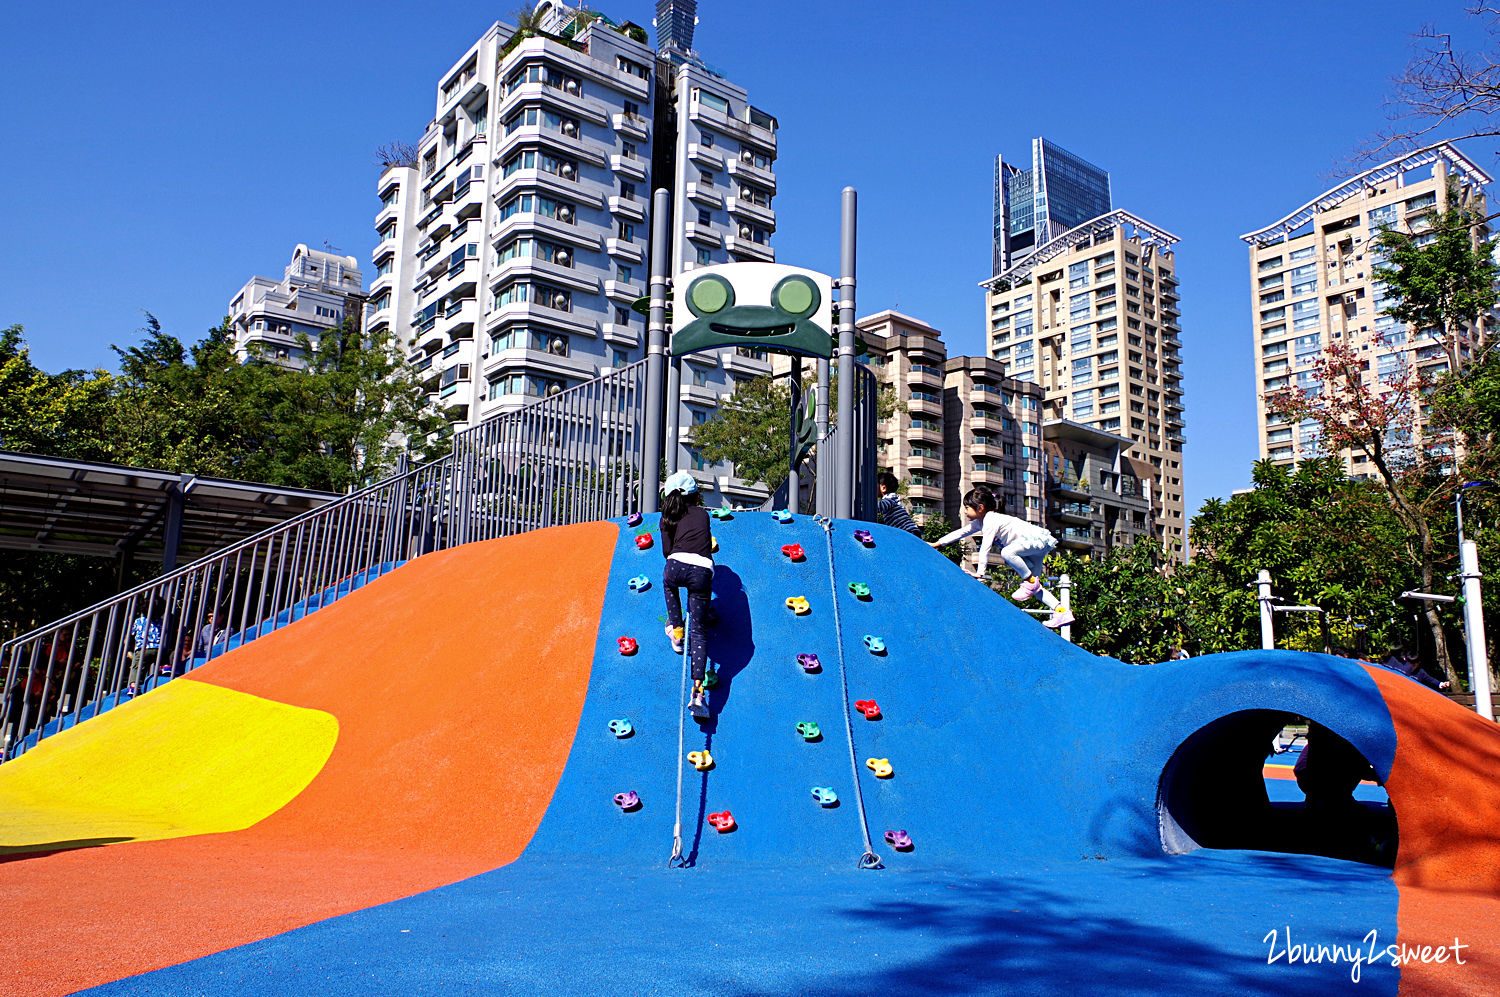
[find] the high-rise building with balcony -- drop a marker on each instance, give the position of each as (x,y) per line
(960,422)
(1311,285)
(512,251)
(317,289)
(1059,192)
(1092,317)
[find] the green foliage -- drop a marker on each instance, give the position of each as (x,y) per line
(60,414)
(935,529)
(1128,603)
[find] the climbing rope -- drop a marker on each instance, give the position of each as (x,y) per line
(677,861)
(869,860)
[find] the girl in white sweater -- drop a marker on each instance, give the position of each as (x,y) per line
(1023,546)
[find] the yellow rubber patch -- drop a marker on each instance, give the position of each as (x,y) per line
(186,758)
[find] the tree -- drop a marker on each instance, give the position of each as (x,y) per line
(1443,273)
(752,427)
(396,153)
(62,414)
(1440,89)
(1128,604)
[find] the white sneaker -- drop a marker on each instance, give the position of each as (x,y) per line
(675,634)
(1061,617)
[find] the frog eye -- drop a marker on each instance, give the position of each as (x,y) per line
(709,294)
(796,295)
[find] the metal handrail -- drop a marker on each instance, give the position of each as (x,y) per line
(569,458)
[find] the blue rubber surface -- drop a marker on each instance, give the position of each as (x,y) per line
(1025,770)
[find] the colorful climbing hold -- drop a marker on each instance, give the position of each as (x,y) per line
(634,519)
(825,796)
(869,708)
(860,590)
(701,760)
(876,645)
(880,766)
(809,730)
(621,728)
(643,541)
(809,662)
(899,840)
(723,512)
(627,645)
(798,604)
(710,679)
(782,516)
(865,537)
(794,552)
(723,821)
(628,801)
(639,583)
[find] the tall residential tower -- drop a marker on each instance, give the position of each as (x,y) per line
(511,252)
(1311,285)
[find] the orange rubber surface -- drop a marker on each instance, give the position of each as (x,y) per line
(1447,802)
(450,745)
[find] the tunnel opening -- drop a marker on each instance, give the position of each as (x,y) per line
(1213,793)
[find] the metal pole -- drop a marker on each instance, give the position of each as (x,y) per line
(1065,596)
(1479,658)
(674,412)
(843,505)
(824,498)
(656,339)
(793,482)
(1263,595)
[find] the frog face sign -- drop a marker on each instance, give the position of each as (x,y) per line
(764,306)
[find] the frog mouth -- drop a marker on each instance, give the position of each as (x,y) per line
(740,330)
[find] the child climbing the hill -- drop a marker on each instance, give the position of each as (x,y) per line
(1023,546)
(892,512)
(687,545)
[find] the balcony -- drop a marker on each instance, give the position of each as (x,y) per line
(698,394)
(749,209)
(932,493)
(1074,512)
(627,207)
(623,335)
(740,169)
(704,194)
(622,290)
(745,247)
(992,476)
(739,363)
(705,155)
(1076,538)
(1069,486)
(705,234)
(630,166)
(633,251)
(631,125)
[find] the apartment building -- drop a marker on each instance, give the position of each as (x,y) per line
(511,253)
(960,422)
(1311,285)
(1091,316)
(317,289)
(1097,496)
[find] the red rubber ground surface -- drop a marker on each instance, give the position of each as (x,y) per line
(1443,786)
(451,742)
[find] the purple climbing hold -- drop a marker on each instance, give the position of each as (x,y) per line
(628,801)
(809,662)
(899,840)
(634,519)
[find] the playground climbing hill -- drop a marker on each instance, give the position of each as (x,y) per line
(429,797)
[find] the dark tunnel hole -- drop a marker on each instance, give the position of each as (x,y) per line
(1213,794)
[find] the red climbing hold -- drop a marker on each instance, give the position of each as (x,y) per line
(724,821)
(643,541)
(627,645)
(794,551)
(869,708)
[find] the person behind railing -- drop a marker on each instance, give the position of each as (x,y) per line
(1023,546)
(28,700)
(210,634)
(145,646)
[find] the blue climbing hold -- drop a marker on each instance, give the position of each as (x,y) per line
(825,796)
(621,728)
(782,516)
(640,583)
(874,644)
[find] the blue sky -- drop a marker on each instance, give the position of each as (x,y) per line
(160,154)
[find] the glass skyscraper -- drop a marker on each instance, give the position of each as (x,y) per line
(675,20)
(1061,191)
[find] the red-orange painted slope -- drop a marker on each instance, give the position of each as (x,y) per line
(457,683)
(1447,802)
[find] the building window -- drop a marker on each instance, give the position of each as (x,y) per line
(705,257)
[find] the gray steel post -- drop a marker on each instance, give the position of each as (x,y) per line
(656,343)
(674,412)
(824,498)
(1263,596)
(843,505)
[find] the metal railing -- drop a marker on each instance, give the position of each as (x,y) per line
(573,457)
